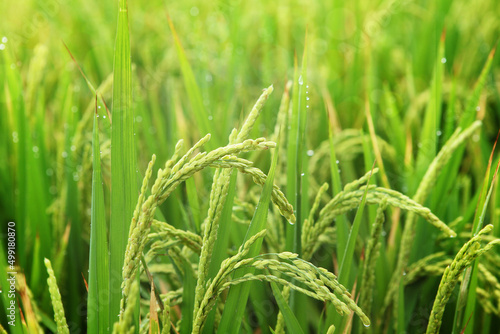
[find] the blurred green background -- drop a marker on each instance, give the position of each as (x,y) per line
(358,52)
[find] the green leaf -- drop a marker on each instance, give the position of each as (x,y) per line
(342,223)
(124,181)
(348,260)
(97,306)
(238,294)
(290,320)
(432,119)
(193,90)
(470,278)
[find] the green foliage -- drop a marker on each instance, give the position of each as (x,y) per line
(223,236)
(123,159)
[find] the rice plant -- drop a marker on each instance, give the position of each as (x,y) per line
(249,167)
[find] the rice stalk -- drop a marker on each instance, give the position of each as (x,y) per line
(470,251)
(55,297)
(429,179)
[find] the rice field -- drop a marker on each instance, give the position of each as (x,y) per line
(249,167)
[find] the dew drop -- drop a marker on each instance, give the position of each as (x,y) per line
(337,162)
(310,153)
(439,133)
(210,118)
(98,107)
(302,174)
(104,116)
(307,98)
(35,149)
(64,154)
(443,60)
(194,11)
(307,106)
(4,39)
(478,108)
(404,273)
(73,148)
(2,46)
(366,325)
(301,81)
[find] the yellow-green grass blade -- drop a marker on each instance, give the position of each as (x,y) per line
(469,115)
(200,113)
(470,280)
(292,324)
(238,294)
(98,281)
(291,170)
(347,263)
(124,187)
(188,294)
(296,189)
(296,154)
(471,110)
(87,81)
(395,130)
(302,161)
(259,297)
(37,196)
(74,260)
(450,122)
(427,150)
(341,223)
(401,325)
(432,118)
(13,87)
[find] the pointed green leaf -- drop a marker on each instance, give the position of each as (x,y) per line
(124,181)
